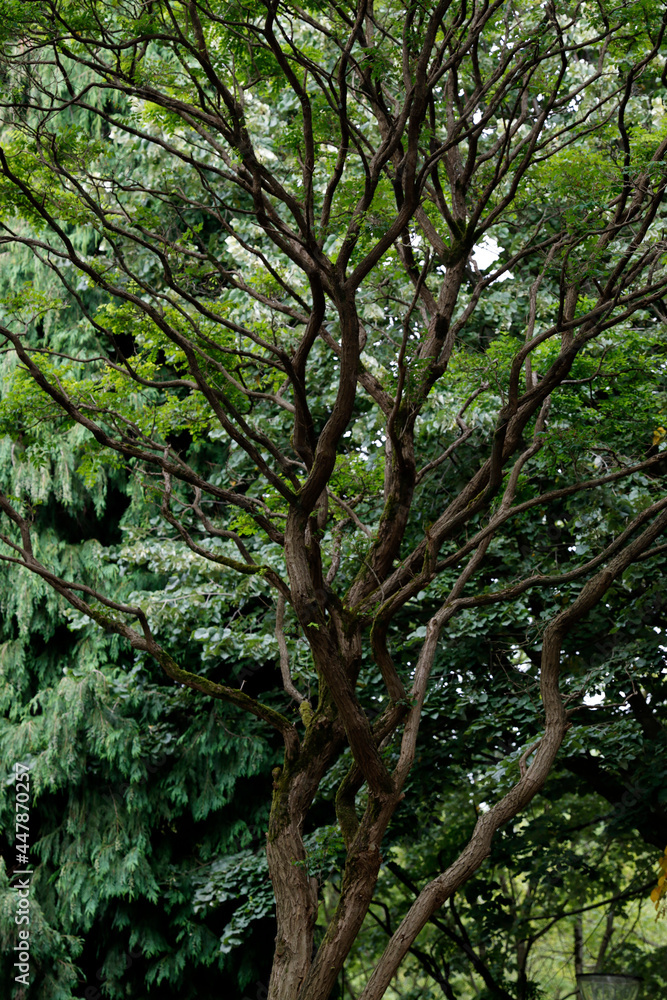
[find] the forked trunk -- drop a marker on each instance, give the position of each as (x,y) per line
(358,886)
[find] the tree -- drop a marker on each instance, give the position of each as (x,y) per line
(137,791)
(556,876)
(266,215)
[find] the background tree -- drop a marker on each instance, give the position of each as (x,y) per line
(140,787)
(313,387)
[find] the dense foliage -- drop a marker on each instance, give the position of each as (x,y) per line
(331,484)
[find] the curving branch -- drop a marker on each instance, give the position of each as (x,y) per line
(144,640)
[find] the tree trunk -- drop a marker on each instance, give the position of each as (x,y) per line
(296,912)
(606,938)
(578,949)
(295,890)
(358,885)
